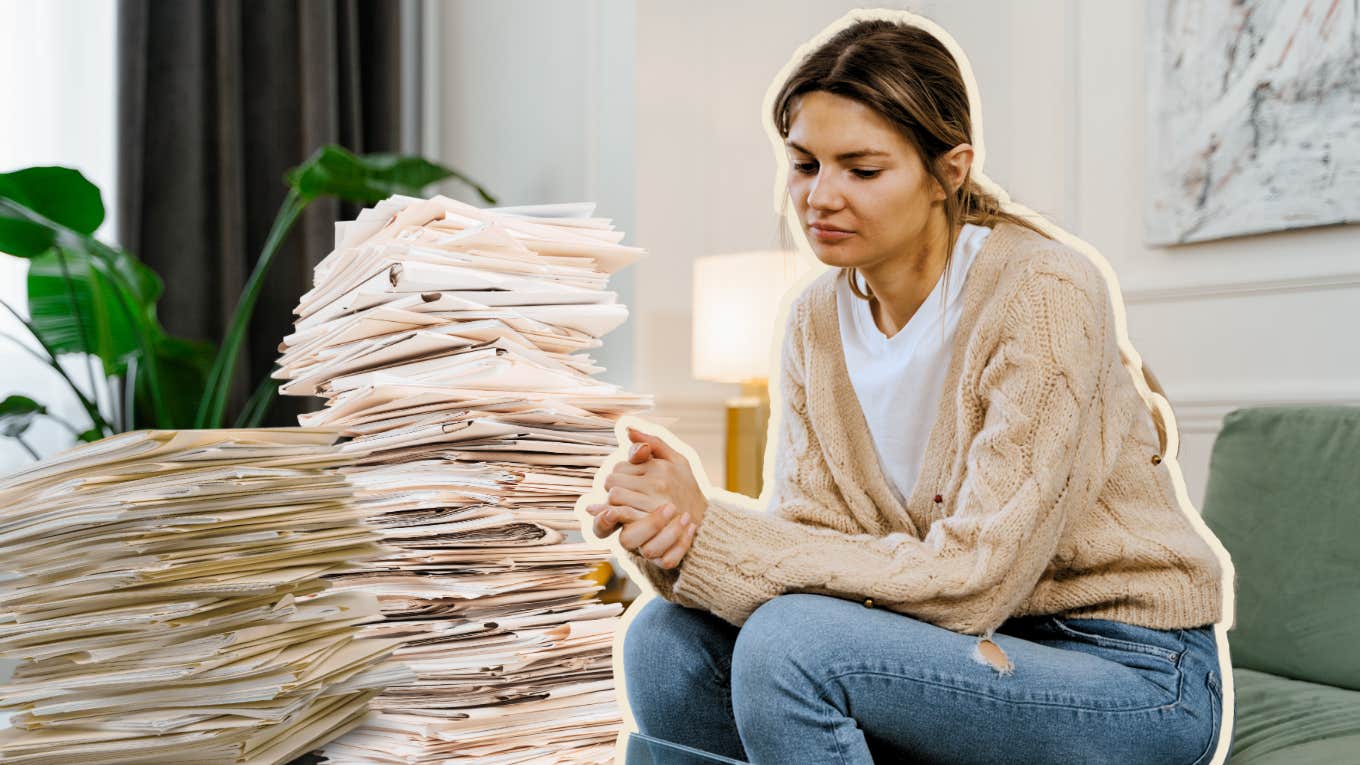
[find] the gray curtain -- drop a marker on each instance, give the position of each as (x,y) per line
(217,99)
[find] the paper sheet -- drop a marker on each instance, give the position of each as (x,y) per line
(471,435)
(168,603)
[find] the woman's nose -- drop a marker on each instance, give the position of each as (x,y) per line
(823,194)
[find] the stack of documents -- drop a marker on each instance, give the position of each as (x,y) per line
(446,340)
(164,595)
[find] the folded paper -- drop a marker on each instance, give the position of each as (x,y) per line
(167,603)
(447,341)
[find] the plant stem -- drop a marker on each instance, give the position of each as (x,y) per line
(115,389)
(28,448)
(126,299)
(258,405)
(481,192)
(130,393)
(63,421)
(75,309)
(96,418)
(214,401)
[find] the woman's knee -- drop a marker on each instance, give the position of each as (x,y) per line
(669,649)
(780,651)
(790,627)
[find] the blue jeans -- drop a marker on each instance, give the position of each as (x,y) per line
(816,679)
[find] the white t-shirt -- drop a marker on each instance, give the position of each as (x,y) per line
(899,379)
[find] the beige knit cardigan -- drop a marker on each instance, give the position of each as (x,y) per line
(1041,490)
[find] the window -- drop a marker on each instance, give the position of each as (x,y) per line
(58,84)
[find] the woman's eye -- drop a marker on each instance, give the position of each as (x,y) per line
(809,168)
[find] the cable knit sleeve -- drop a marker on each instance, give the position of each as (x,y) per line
(661,579)
(971,571)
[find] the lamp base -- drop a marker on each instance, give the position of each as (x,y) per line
(748,417)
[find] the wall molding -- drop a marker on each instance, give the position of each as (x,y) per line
(699,416)
(1284,285)
(1200,409)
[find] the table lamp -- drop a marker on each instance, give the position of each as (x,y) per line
(736,302)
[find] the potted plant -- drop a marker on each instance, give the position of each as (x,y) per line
(86,296)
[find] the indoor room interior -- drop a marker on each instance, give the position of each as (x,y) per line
(1141,128)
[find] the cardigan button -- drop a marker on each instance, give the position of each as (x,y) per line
(868,602)
(939,499)
(1156,459)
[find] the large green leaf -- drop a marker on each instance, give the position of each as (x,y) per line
(24,239)
(183,366)
(85,313)
(17,414)
(59,194)
(369,178)
(86,296)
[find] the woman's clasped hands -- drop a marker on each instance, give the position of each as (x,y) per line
(655,502)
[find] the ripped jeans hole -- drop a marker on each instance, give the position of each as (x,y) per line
(989,653)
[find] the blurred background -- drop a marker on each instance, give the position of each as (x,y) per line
(186,114)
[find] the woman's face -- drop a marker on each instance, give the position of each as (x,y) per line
(862,193)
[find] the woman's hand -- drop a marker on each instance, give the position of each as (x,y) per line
(663,478)
(645,496)
(660,536)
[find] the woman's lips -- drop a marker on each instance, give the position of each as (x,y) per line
(829,235)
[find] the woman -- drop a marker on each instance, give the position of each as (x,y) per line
(1009,577)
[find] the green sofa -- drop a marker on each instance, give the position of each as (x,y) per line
(1284,499)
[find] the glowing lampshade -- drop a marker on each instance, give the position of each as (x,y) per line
(736,302)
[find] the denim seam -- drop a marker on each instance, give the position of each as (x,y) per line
(831,717)
(1118,643)
(1180,692)
(1215,705)
(726,695)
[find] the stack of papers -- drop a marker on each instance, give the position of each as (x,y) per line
(447,341)
(164,596)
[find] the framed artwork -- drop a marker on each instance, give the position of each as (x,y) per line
(1253,117)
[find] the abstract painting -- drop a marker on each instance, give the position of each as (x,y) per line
(1253,117)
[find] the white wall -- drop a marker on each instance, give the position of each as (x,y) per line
(1240,322)
(535,102)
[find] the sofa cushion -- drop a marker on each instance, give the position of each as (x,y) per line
(1284,499)
(1290,722)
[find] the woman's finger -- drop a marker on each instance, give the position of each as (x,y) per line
(634,482)
(639,453)
(636,533)
(614,516)
(642,500)
(603,526)
(678,550)
(672,533)
(628,513)
(660,448)
(628,468)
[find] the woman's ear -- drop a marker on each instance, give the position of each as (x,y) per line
(957,163)
(953,167)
